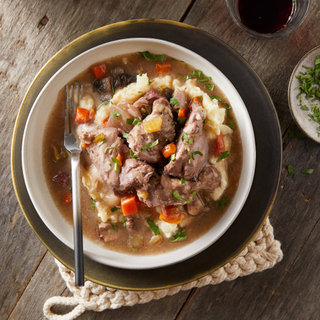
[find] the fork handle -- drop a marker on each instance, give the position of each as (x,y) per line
(77,219)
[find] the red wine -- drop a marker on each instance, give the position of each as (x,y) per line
(265,16)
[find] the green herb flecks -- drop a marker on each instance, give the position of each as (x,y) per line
(150,145)
(182,119)
(290,171)
(205,79)
(174,102)
(185,138)
(181,235)
(209,86)
(148,56)
(308,171)
(114,209)
(223,155)
(108,148)
(132,121)
(221,203)
(182,180)
(232,125)
(117,164)
(93,206)
(153,227)
(176,195)
(116,114)
(133,155)
(125,135)
(172,158)
(215,97)
(123,223)
(196,152)
(115,228)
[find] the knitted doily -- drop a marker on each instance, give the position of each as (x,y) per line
(262,253)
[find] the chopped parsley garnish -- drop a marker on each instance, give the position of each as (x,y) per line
(182,180)
(209,86)
(101,142)
(153,227)
(92,200)
(181,235)
(123,223)
(194,192)
(107,148)
(93,206)
(205,79)
(172,158)
(174,102)
(114,209)
(227,106)
(304,107)
(175,194)
(182,119)
(115,228)
(132,121)
(214,97)
(148,56)
(309,171)
(196,152)
(223,155)
(290,171)
(116,114)
(232,125)
(186,139)
(133,155)
(197,73)
(117,164)
(150,145)
(221,203)
(125,135)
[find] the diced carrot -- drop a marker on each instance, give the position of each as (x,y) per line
(99,71)
(119,158)
(129,205)
(220,147)
(168,150)
(162,68)
(85,145)
(91,115)
(195,99)
(105,122)
(172,215)
(182,113)
(67,198)
(82,115)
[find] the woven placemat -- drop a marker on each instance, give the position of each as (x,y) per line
(262,253)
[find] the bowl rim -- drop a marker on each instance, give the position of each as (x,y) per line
(291,98)
(142,264)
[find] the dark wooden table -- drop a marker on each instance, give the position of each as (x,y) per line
(31,32)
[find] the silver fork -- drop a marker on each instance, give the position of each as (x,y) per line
(71,146)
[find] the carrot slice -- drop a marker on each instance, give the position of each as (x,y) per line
(171,214)
(168,150)
(129,205)
(162,68)
(99,71)
(82,115)
(220,147)
(195,99)
(119,158)
(182,113)
(67,198)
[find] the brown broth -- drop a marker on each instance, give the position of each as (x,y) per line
(201,224)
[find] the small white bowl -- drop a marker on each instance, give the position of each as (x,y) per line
(300,116)
(32,153)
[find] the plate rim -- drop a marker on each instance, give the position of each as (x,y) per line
(72,46)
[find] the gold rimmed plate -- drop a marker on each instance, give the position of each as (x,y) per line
(268,160)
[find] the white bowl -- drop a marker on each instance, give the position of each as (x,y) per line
(32,153)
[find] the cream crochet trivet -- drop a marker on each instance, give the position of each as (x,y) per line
(262,253)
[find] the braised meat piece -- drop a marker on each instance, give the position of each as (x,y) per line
(102,152)
(130,225)
(191,152)
(61,178)
(166,191)
(148,146)
(106,232)
(182,99)
(135,173)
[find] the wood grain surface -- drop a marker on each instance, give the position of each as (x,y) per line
(31,32)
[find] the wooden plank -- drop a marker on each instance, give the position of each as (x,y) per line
(31,33)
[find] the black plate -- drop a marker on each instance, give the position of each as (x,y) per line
(268,162)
